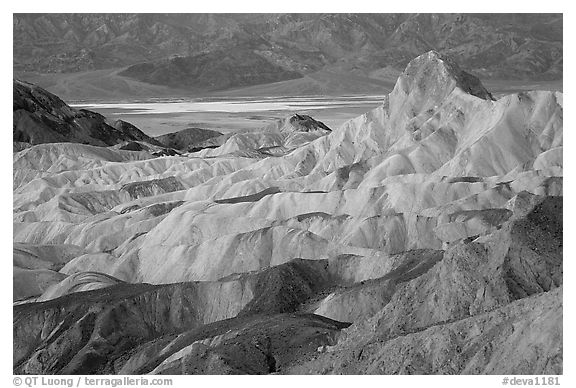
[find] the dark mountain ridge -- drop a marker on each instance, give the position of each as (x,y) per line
(41,117)
(211,71)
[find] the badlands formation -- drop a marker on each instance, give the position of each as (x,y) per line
(423,237)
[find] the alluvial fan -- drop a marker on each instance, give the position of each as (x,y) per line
(423,237)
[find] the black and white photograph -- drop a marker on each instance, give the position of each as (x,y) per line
(232,193)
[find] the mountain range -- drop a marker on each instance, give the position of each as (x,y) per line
(200,53)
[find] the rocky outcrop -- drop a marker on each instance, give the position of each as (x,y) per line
(41,117)
(277,139)
(109,330)
(133,133)
(152,187)
(187,139)
(300,123)
(518,338)
(81,333)
(474,306)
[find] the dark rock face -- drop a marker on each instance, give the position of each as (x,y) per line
(132,146)
(187,138)
(285,287)
(133,132)
(152,187)
(212,71)
(85,332)
(250,198)
(110,330)
(41,117)
(305,123)
(18,146)
(260,345)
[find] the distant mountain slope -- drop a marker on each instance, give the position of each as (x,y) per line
(211,71)
(504,46)
(185,138)
(323,82)
(93,85)
(41,117)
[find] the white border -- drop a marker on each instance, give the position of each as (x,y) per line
(244,6)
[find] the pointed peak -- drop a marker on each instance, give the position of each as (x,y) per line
(300,123)
(433,68)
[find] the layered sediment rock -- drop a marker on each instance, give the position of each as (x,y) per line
(424,236)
